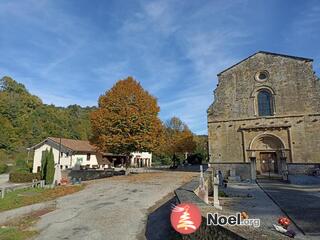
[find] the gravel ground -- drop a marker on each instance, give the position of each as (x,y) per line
(112,208)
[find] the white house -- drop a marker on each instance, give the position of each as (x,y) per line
(79,152)
(72,152)
(141,159)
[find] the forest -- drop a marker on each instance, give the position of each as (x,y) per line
(25,120)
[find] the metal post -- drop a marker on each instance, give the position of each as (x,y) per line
(59,151)
(2,192)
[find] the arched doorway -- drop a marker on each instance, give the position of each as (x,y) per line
(267,149)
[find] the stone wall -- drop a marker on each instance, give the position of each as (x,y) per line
(92,174)
(296,87)
(233,121)
(186,193)
(212,233)
(241,169)
(301,169)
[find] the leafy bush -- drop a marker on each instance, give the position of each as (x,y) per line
(3,168)
(21,177)
(22,166)
(195,158)
(161,160)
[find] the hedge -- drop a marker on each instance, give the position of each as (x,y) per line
(3,168)
(21,177)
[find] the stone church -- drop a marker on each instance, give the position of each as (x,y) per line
(266,107)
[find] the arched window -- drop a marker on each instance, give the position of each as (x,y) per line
(265,103)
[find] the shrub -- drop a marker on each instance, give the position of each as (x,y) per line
(44,158)
(161,160)
(21,177)
(50,168)
(47,166)
(195,158)
(20,163)
(3,168)
(22,166)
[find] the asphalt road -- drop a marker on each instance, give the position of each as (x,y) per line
(112,208)
(301,203)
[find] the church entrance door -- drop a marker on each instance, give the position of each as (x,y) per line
(268,162)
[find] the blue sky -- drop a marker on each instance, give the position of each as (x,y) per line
(71,51)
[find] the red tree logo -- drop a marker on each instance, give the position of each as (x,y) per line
(185,218)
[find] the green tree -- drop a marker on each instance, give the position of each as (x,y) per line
(44,162)
(179,139)
(201,146)
(50,168)
(25,120)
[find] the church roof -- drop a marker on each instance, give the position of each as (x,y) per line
(268,53)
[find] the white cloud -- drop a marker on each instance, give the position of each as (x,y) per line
(174,50)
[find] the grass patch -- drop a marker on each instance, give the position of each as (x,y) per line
(222,194)
(12,233)
(20,228)
(28,196)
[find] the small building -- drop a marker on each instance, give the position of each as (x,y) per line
(72,152)
(141,159)
(82,153)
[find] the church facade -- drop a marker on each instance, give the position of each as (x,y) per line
(266,107)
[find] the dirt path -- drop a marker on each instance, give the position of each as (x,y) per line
(113,208)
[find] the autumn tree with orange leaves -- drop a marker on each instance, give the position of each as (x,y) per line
(126,120)
(178,139)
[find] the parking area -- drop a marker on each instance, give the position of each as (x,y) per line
(112,208)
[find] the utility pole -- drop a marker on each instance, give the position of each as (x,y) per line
(59,151)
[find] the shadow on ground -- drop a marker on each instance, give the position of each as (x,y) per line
(181,168)
(301,204)
(158,223)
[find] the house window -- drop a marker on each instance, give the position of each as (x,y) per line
(79,161)
(88,156)
(265,103)
(67,154)
(61,154)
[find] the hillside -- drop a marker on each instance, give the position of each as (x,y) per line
(25,120)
